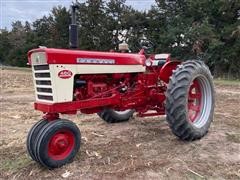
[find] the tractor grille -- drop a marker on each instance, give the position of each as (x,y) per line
(43,84)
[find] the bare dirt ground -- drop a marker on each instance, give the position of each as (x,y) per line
(139,149)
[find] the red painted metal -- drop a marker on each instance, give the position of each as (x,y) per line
(61,145)
(66,56)
(50,116)
(194,101)
(143,92)
(76,105)
(167,70)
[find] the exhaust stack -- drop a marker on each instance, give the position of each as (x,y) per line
(73,29)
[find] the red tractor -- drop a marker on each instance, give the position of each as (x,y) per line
(115,86)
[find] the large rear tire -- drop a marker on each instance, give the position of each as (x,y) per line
(190,100)
(112,116)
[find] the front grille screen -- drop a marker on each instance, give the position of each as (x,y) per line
(43,82)
(42,75)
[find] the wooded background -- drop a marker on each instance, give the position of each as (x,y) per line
(188,29)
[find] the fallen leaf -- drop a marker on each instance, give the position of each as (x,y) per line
(16,117)
(66,174)
(97,155)
(138,145)
(88,153)
(96,134)
(85,139)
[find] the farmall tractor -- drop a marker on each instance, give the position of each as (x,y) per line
(115,86)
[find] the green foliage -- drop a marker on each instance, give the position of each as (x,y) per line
(207,29)
(4,46)
(93,32)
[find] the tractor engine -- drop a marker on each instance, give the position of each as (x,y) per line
(99,86)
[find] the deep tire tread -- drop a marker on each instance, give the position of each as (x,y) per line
(32,135)
(40,146)
(110,116)
(176,95)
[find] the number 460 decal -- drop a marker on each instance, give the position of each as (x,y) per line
(65,74)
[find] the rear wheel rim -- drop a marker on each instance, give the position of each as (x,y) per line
(199,101)
(61,145)
(194,101)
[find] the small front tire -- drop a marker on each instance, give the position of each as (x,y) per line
(32,135)
(57,143)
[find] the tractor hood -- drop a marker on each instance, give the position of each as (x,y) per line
(66,56)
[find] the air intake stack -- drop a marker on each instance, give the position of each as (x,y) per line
(73,29)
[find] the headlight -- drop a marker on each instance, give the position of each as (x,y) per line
(38,58)
(148,62)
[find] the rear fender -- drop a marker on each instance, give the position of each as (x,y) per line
(167,70)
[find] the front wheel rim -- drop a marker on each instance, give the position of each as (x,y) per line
(61,145)
(199,101)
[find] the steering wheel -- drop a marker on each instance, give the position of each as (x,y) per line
(146,44)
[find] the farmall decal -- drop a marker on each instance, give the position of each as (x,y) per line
(95,61)
(65,74)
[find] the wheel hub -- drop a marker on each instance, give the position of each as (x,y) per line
(194,101)
(60,142)
(60,145)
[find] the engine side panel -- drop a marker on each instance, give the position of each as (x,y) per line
(62,77)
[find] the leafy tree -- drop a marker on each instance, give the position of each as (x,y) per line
(16,55)
(203,28)
(4,46)
(92,19)
(42,31)
(206,29)
(59,30)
